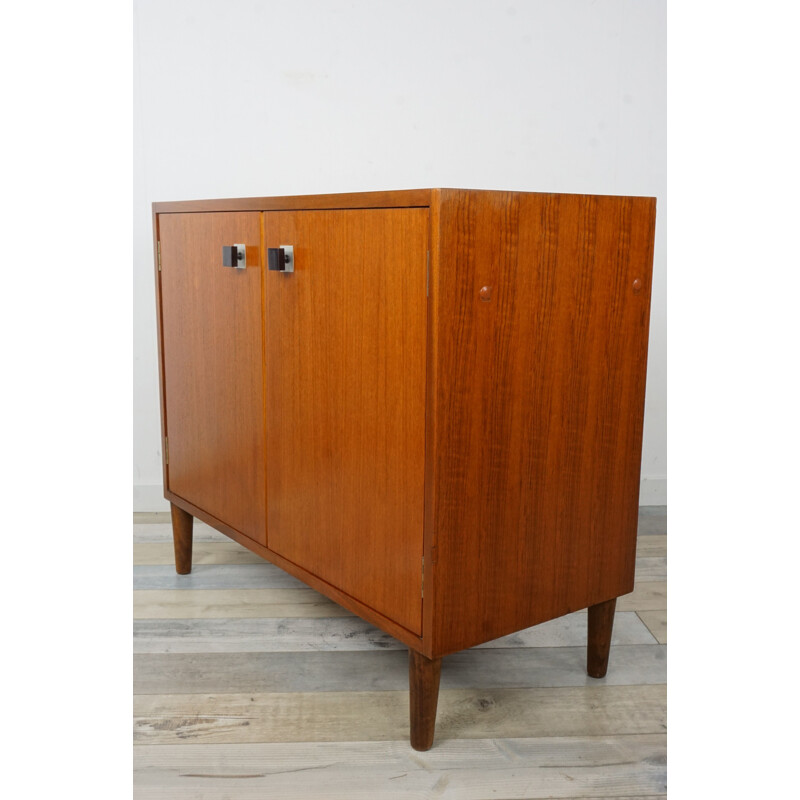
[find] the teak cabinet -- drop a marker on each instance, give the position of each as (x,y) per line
(432,414)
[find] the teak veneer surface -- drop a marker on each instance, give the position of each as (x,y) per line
(501,396)
(212,351)
(403,198)
(538,401)
(345,403)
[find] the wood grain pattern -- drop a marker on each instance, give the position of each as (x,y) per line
(218,603)
(162,532)
(345,344)
(233,603)
(259,574)
(538,405)
(651,546)
(213,576)
(301,633)
(542,763)
(648,517)
(329,590)
(652,520)
(160,348)
(182,539)
(283,634)
(601,625)
(547,767)
(403,198)
(213,368)
(151,554)
(651,569)
(150,517)
(423,682)
(462,784)
(387,670)
(656,622)
(149,536)
(215,549)
(483,409)
(487,754)
(382,716)
(646,596)
(568,767)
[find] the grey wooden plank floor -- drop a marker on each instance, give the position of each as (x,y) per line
(248,684)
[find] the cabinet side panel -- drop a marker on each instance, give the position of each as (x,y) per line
(542,321)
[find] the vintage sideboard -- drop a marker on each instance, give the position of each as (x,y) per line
(425,404)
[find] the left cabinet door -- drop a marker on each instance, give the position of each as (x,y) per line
(212,350)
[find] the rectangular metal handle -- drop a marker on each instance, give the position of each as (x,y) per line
(281,259)
(234,256)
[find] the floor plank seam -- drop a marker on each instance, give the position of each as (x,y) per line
(560,726)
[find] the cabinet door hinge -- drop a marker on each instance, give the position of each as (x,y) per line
(158,250)
(166,450)
(428,276)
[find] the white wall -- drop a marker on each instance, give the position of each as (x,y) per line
(238,98)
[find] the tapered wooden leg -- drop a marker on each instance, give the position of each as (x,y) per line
(423,684)
(182,539)
(601,623)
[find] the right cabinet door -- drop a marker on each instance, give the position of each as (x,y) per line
(345,401)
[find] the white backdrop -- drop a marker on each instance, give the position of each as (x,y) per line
(238,98)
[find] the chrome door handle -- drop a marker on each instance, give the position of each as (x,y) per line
(281,259)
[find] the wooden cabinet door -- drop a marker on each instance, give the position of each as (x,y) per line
(345,401)
(212,337)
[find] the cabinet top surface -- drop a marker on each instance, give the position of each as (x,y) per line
(403,198)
